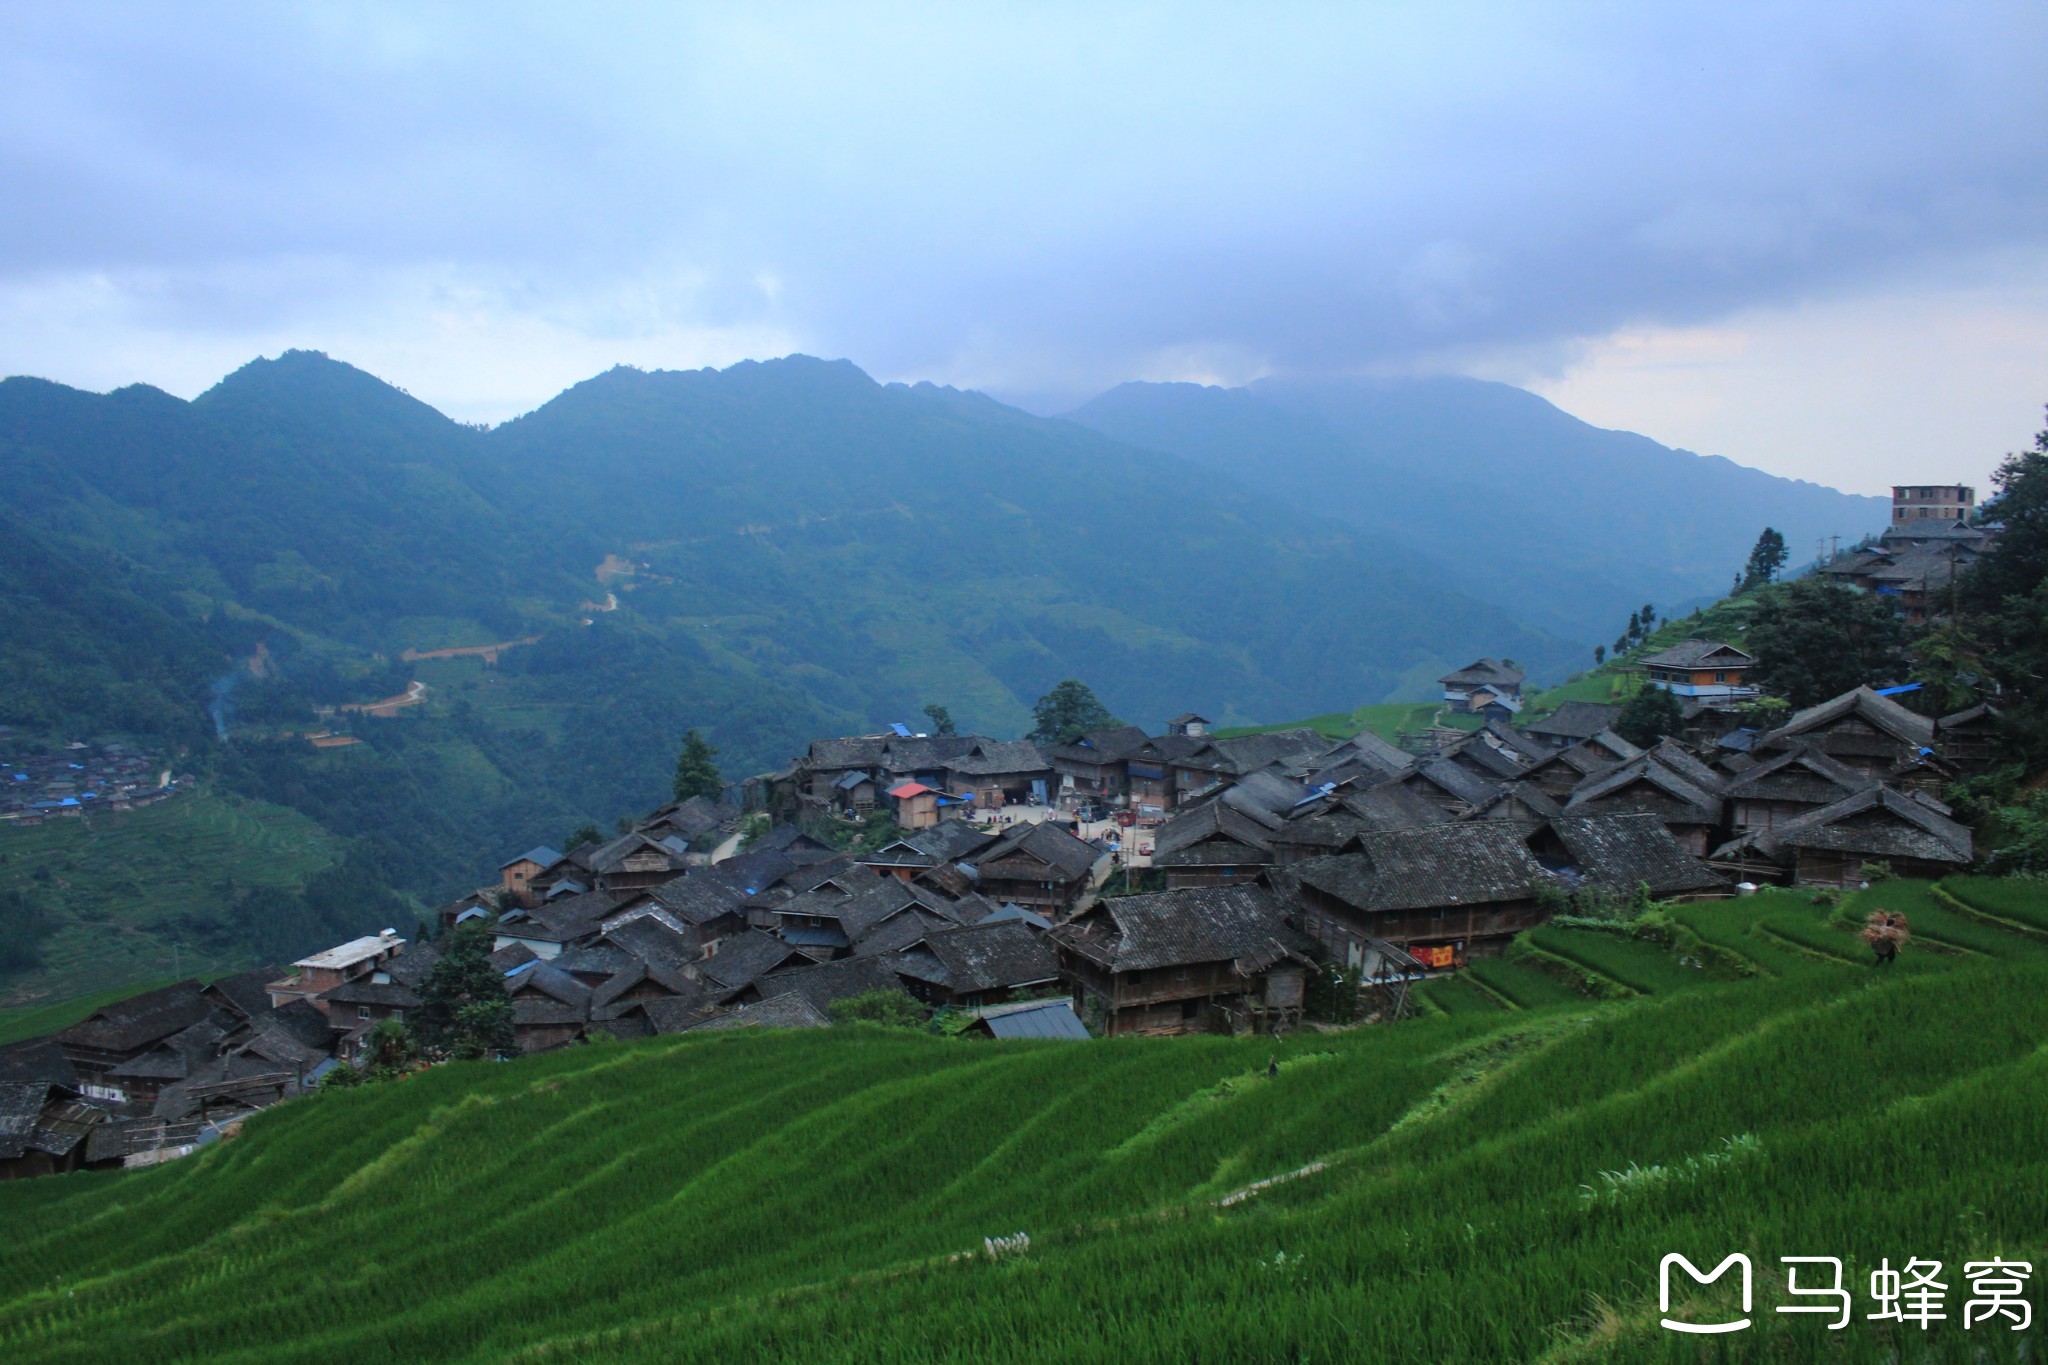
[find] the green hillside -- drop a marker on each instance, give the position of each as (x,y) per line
(147,894)
(1496,1182)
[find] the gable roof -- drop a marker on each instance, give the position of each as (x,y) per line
(1242,925)
(140,1020)
(781,1011)
(1698,654)
(1680,760)
(1369,749)
(1622,852)
(1100,746)
(1907,727)
(1803,772)
(698,899)
(996,757)
(1614,744)
(1460,783)
(1472,863)
(1034,1019)
(1576,720)
(539,853)
(1611,783)
(987,957)
(1048,843)
(1213,833)
(1481,672)
(1876,822)
(830,981)
(745,958)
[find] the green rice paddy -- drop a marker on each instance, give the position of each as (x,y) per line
(1497,1181)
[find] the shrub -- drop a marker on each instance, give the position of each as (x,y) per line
(890,1009)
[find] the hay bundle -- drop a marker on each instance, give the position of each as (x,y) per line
(1885,931)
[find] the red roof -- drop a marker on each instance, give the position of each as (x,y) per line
(908,789)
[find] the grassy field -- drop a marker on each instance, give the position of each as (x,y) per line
(1498,1182)
(120,884)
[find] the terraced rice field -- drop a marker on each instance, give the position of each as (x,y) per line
(119,882)
(1495,1184)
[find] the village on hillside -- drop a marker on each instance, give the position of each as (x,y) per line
(1115,883)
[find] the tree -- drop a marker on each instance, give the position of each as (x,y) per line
(696,773)
(1599,655)
(1650,715)
(2003,598)
(1067,712)
(1766,557)
(941,719)
(1635,627)
(1813,640)
(392,1050)
(1649,616)
(464,1010)
(585,833)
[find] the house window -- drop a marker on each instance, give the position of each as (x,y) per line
(1720,677)
(362,1011)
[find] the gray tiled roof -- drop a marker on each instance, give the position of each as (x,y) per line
(1875,823)
(1621,852)
(986,957)
(1576,720)
(1698,654)
(1241,924)
(1472,863)
(1886,715)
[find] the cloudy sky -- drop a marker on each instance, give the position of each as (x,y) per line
(1813,238)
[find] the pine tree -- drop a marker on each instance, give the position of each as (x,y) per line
(1599,655)
(696,773)
(941,719)
(1765,559)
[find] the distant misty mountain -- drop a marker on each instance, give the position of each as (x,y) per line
(816,552)
(1490,489)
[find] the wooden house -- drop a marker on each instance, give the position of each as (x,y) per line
(1572,723)
(516,876)
(1912,835)
(968,966)
(1502,683)
(1649,786)
(1334,825)
(1872,734)
(1000,772)
(47,1129)
(1786,785)
(1452,788)
(550,1008)
(312,977)
(1461,888)
(1037,865)
(1702,670)
(1215,844)
(913,805)
(1971,741)
(1185,961)
(1090,769)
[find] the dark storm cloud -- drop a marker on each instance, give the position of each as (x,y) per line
(1038,199)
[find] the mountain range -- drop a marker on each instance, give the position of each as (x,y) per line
(1492,490)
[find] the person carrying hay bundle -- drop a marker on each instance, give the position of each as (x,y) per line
(1886,933)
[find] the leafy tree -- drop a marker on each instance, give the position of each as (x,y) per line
(464,1010)
(392,1049)
(1067,712)
(890,1009)
(1650,715)
(1766,557)
(1649,618)
(696,773)
(941,719)
(585,833)
(1813,640)
(343,1076)
(1599,655)
(2003,598)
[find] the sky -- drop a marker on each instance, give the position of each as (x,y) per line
(1812,238)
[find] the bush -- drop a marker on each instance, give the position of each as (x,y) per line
(890,1009)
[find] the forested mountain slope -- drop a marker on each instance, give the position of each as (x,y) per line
(1568,526)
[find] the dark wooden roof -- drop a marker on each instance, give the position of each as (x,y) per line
(1472,863)
(1622,852)
(1875,823)
(1884,714)
(1576,720)
(986,957)
(1047,842)
(127,1025)
(1243,925)
(1612,786)
(744,958)
(1802,773)
(1481,672)
(1698,654)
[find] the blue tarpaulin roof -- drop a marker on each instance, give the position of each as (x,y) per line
(1894,691)
(900,728)
(1038,1019)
